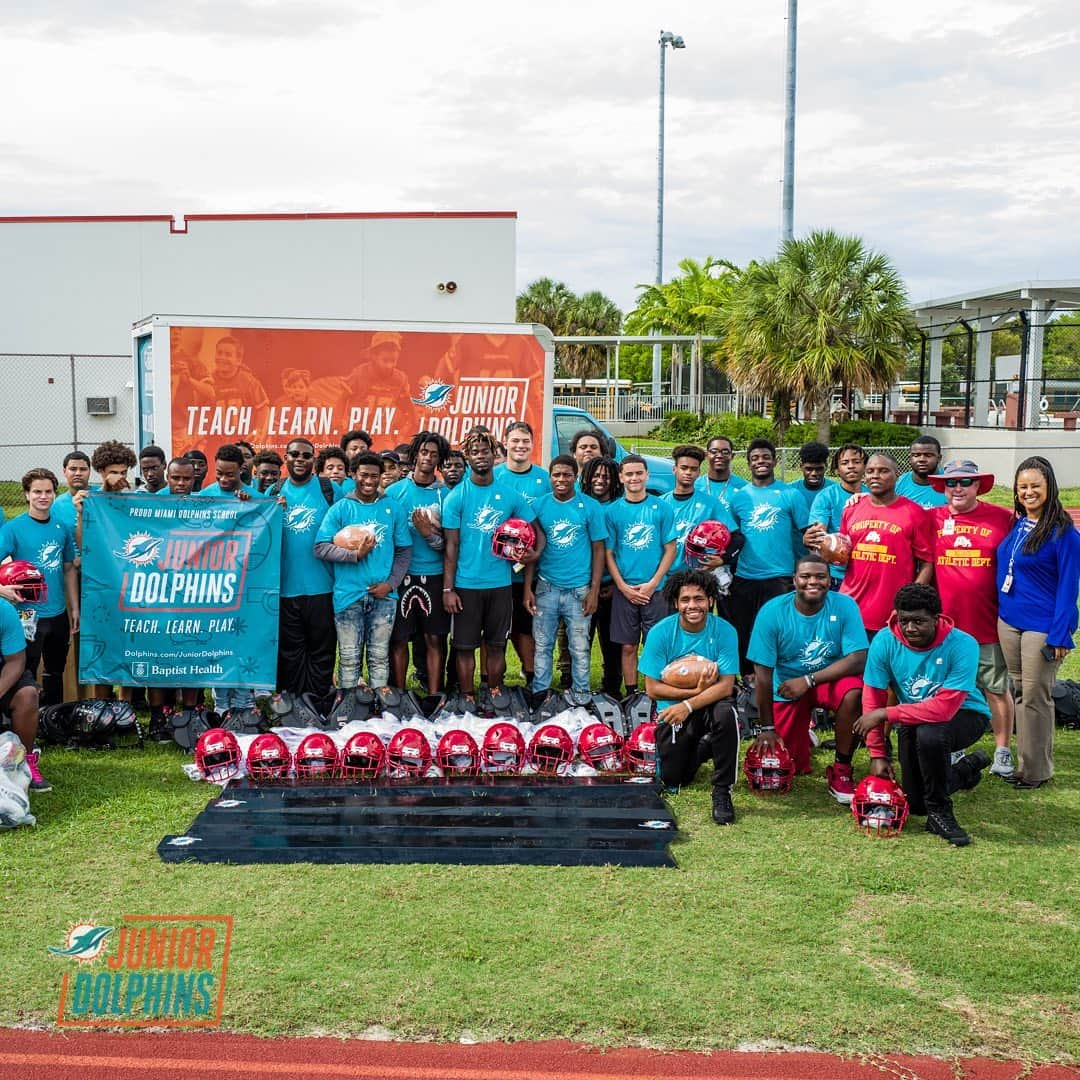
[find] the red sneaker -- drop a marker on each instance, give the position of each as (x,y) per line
(841,782)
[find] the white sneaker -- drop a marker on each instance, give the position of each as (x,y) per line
(1003,762)
(957,755)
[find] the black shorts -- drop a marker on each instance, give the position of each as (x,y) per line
(420,608)
(485,616)
(631,622)
(25,679)
(520,620)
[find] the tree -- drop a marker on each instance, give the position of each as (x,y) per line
(826,312)
(556,306)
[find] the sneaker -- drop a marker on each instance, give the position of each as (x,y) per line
(1003,765)
(970,768)
(841,782)
(723,810)
(943,824)
(37,781)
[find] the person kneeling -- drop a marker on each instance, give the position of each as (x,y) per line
(698,722)
(931,667)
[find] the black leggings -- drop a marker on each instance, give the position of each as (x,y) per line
(50,649)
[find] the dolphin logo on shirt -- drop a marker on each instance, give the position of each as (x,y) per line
(764,518)
(300,519)
(816,654)
(487,519)
(638,537)
(564,533)
(49,555)
(918,687)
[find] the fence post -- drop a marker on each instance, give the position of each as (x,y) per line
(1021,397)
(74,406)
(922,375)
(970,370)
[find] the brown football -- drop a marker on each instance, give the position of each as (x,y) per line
(352,536)
(685,672)
(836,548)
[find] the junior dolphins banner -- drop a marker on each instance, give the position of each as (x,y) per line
(179,591)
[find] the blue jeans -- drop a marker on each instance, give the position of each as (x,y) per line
(365,622)
(552,604)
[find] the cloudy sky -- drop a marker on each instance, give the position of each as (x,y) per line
(945,134)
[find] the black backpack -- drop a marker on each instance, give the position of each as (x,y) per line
(326,484)
(1066,694)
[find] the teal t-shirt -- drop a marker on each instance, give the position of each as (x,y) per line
(668,641)
(351,580)
(721,490)
(637,533)
(476,510)
(302,574)
(532,486)
(794,644)
(12,638)
(570,527)
(412,496)
(827,509)
(48,545)
(691,511)
(923,495)
(770,518)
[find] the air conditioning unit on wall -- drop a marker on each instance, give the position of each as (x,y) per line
(101,406)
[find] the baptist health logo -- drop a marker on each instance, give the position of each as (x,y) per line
(165,971)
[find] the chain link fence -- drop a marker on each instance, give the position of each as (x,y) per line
(787,457)
(55,403)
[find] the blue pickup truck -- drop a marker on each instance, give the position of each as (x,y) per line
(568,421)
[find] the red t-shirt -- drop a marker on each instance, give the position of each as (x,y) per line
(885,542)
(965,565)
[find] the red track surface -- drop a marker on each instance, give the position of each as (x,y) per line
(39,1055)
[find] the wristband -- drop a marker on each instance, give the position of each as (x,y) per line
(811,682)
(448,590)
(766,727)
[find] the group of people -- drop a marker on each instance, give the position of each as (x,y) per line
(937,600)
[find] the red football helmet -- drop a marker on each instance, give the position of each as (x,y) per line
(503,749)
(268,758)
(550,747)
(363,756)
(513,539)
(769,772)
(601,748)
(217,754)
(640,750)
(706,540)
(457,754)
(408,753)
(879,806)
(316,757)
(27,578)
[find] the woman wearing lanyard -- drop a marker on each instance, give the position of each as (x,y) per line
(1038,574)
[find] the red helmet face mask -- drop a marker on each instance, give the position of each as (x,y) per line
(769,772)
(640,750)
(457,754)
(408,754)
(363,757)
(601,748)
(503,749)
(513,539)
(706,540)
(217,754)
(879,806)
(268,758)
(550,747)
(316,757)
(27,578)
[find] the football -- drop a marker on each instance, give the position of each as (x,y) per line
(354,536)
(835,548)
(685,672)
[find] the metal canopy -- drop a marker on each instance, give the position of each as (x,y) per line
(1022,296)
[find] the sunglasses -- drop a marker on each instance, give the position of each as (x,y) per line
(721,452)
(304,455)
(960,481)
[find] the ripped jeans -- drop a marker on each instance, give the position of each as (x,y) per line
(553,604)
(365,623)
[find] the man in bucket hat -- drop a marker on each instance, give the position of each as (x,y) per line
(967,533)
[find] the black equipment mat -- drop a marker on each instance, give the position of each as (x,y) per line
(542,821)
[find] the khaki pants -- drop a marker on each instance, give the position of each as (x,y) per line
(1033,677)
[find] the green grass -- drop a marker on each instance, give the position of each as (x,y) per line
(790,926)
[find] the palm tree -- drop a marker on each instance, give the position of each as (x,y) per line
(547,302)
(592,314)
(825,312)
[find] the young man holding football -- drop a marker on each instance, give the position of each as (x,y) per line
(808,649)
(696,710)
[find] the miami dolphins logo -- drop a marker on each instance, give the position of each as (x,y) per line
(380,531)
(84,942)
(638,537)
(300,519)
(816,653)
(140,549)
(434,395)
(918,687)
(50,555)
(764,518)
(487,518)
(563,533)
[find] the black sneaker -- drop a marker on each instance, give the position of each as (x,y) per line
(947,827)
(970,768)
(723,810)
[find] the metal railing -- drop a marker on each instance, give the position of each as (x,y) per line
(635,406)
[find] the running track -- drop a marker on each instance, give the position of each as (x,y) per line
(41,1055)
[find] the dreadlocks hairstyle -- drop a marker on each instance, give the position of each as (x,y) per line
(834,464)
(706,582)
(606,465)
(424,438)
(1055,521)
(480,435)
(113,453)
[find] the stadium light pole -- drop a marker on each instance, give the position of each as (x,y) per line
(676,42)
(787,213)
